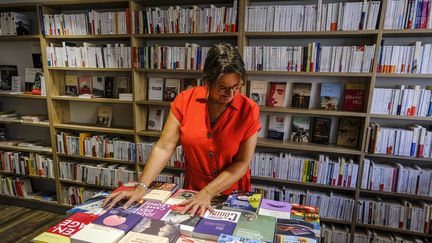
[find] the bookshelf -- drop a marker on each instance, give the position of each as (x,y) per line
(61,109)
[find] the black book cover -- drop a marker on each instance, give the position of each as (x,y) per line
(321,130)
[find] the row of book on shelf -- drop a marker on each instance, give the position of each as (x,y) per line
(13,23)
(33,82)
(90,23)
(415,141)
(312,58)
(90,55)
(8,115)
(177,19)
(25,163)
(410,101)
(239,216)
(408,14)
(168,88)
(313,17)
(97,86)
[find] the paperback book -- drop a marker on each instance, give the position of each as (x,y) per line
(277,93)
(348,132)
(275,209)
(321,130)
(212,225)
(277,127)
(300,129)
(155,119)
(6,73)
(171,89)
(71,82)
(153,230)
(98,84)
(258,92)
(153,210)
(330,95)
(85,85)
(256,227)
(247,202)
(223,238)
(104,117)
(155,88)
(289,230)
(301,95)
(118,218)
(354,97)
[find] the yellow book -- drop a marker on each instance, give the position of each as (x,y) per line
(47,237)
(82,136)
(305,170)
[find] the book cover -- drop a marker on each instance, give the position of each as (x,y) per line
(171,88)
(158,228)
(301,95)
(243,201)
(276,127)
(153,210)
(188,83)
(155,118)
(330,95)
(142,238)
(156,195)
(123,85)
(30,76)
(288,230)
(181,195)
(300,129)
(6,73)
(109,87)
(189,239)
(258,92)
(349,132)
(212,225)
(223,238)
(71,83)
(307,214)
(16,84)
(104,117)
(155,88)
(85,85)
(275,209)
(98,84)
(354,96)
(256,227)
(276,94)
(321,130)
(118,218)
(95,233)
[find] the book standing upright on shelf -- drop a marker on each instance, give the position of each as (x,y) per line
(330,95)
(104,117)
(301,95)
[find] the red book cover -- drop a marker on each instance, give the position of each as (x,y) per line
(354,96)
(73,224)
(85,85)
(128,29)
(277,92)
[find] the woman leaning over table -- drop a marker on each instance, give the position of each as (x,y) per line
(217,127)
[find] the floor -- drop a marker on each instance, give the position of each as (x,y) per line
(21,225)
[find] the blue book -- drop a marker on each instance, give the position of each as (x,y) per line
(223,238)
(247,202)
(211,226)
(119,218)
(330,96)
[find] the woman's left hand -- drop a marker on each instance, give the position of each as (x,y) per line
(201,202)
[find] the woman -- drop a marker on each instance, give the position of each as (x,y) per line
(217,128)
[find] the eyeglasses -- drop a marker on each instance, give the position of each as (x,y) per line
(236,88)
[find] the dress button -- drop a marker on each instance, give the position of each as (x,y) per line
(209,135)
(210,154)
(215,172)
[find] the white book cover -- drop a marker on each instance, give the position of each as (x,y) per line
(155,119)
(93,233)
(155,89)
(278,127)
(258,92)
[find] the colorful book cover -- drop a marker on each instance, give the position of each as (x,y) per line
(289,230)
(321,130)
(276,127)
(330,95)
(348,132)
(307,214)
(223,238)
(300,130)
(118,218)
(256,227)
(301,95)
(275,209)
(153,210)
(180,196)
(158,228)
(244,202)
(71,82)
(212,225)
(354,97)
(258,92)
(276,94)
(171,88)
(85,85)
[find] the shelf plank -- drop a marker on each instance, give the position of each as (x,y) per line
(321,34)
(93,128)
(311,111)
(89,69)
(153,102)
(92,100)
(88,37)
(309,74)
(25,96)
(395,230)
(264,142)
(20,122)
(54,203)
(334,221)
(27,176)
(395,157)
(300,183)
(402,75)
(393,195)
(412,118)
(24,149)
(78,183)
(19,37)
(188,35)
(96,159)
(149,133)
(154,70)
(407,32)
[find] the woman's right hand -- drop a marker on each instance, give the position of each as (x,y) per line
(133,196)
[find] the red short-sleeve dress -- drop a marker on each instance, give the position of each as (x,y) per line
(209,150)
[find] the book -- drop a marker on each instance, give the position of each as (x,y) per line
(160,191)
(171,89)
(301,95)
(289,230)
(155,88)
(275,209)
(16,84)
(256,227)
(247,202)
(277,127)
(153,210)
(189,239)
(153,230)
(71,83)
(321,130)
(212,225)
(223,238)
(20,24)
(300,129)
(258,92)
(276,94)
(104,117)
(98,86)
(187,83)
(95,233)
(62,231)
(109,87)
(180,196)
(354,97)
(30,77)
(122,85)
(85,85)
(186,222)
(330,95)
(307,214)
(155,118)
(349,132)
(118,218)
(6,73)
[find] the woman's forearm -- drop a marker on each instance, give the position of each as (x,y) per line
(155,164)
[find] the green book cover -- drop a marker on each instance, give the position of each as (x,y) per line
(256,227)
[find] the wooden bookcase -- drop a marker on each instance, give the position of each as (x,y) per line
(58,107)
